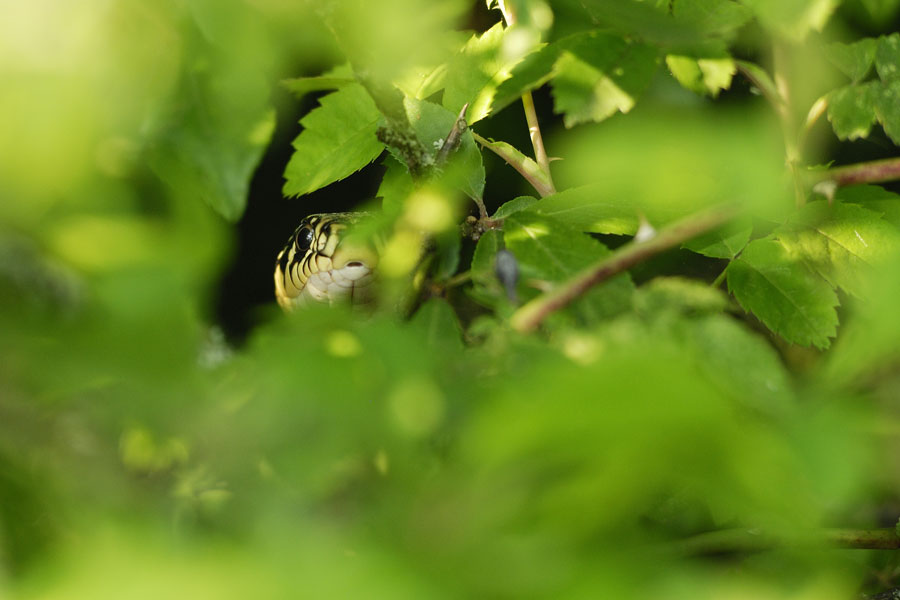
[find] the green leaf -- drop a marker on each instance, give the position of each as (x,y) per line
(548,250)
(514,206)
(217,137)
(332,80)
(678,294)
(438,323)
(396,185)
(338,139)
(720,18)
(487,289)
(792,19)
(600,75)
(841,242)
(725,242)
(535,70)
(874,198)
(784,294)
(475,73)
(651,24)
(887,57)
(851,110)
(887,108)
(707,76)
(854,60)
(539,179)
(586,208)
(432,123)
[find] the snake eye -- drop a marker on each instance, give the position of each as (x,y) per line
(304,238)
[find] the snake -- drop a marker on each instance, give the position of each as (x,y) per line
(318,263)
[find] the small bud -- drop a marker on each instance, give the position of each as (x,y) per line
(506,268)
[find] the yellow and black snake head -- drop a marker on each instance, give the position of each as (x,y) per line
(320,263)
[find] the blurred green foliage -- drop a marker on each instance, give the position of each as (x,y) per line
(344,453)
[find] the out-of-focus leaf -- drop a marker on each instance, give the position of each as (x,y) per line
(725,242)
(487,288)
(599,76)
(665,164)
(784,294)
(665,294)
(707,76)
(332,80)
(851,110)
(854,59)
(551,251)
(712,17)
(590,209)
(887,108)
(841,242)
(482,65)
(439,325)
(887,57)
(535,70)
(396,185)
(650,23)
(338,139)
(793,19)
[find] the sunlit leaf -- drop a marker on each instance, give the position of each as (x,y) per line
(784,294)
(725,242)
(338,139)
(842,242)
(704,76)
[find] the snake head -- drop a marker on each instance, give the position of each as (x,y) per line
(324,262)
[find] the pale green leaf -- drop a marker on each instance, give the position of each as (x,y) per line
(338,139)
(481,66)
(719,18)
(396,185)
(851,110)
(841,242)
(855,59)
(784,294)
(707,76)
(887,57)
(539,178)
(589,209)
(514,206)
(678,294)
(332,80)
(535,70)
(600,76)
(793,19)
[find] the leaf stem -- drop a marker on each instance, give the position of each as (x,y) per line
(528,317)
(720,278)
(537,177)
(534,127)
(751,540)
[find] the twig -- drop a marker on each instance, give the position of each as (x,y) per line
(532,314)
(453,138)
(868,172)
(534,127)
(751,540)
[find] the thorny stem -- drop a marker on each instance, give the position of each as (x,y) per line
(528,317)
(868,172)
(534,128)
(750,540)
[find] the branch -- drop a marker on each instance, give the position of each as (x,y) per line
(528,317)
(868,172)
(751,540)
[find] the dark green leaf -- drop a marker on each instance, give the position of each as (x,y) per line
(854,60)
(514,206)
(784,294)
(338,139)
(712,17)
(439,325)
(851,110)
(873,197)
